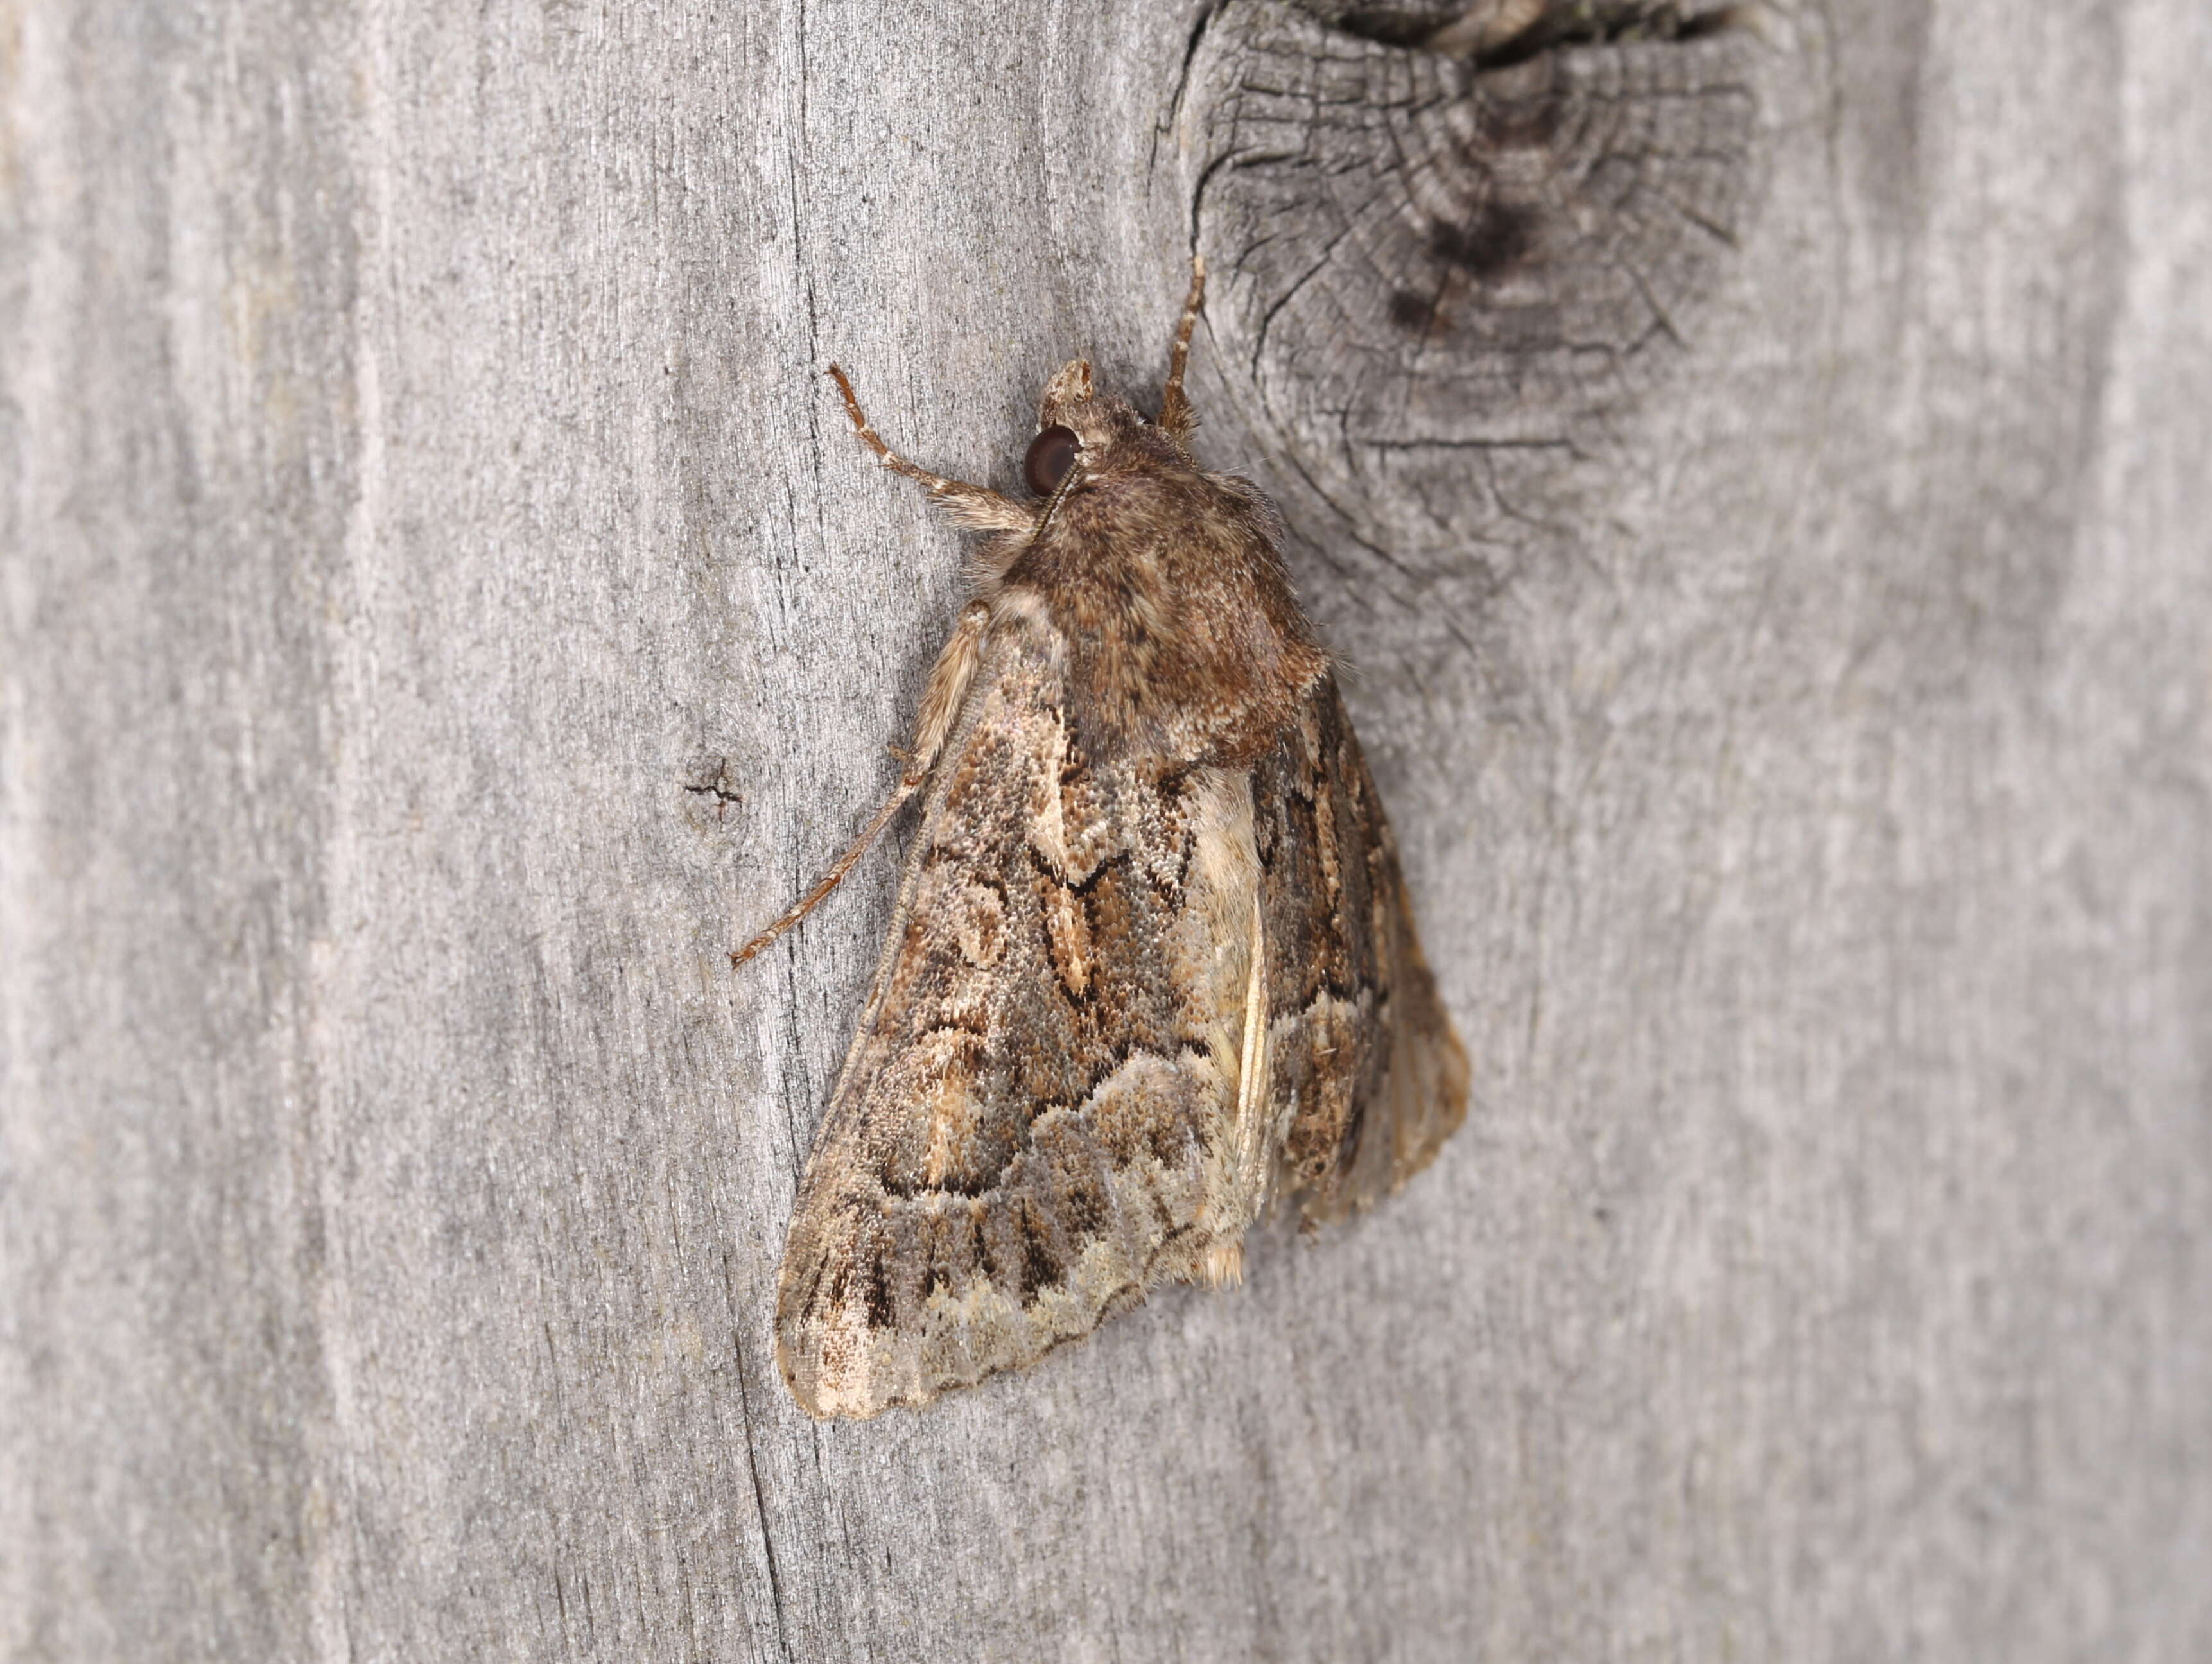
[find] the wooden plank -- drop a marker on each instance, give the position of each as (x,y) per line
(444,608)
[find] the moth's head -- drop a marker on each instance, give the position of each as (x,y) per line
(1077,427)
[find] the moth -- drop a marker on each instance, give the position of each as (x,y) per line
(1152,972)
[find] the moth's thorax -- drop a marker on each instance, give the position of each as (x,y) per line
(1181,634)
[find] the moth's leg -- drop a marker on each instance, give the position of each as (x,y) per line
(976,505)
(1176,417)
(949,681)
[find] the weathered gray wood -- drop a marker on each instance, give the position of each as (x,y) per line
(443,608)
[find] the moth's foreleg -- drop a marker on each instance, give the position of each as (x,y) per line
(976,506)
(1177,419)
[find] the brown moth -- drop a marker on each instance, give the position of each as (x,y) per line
(1152,971)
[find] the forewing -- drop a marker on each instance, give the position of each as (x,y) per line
(1366,1070)
(1037,1120)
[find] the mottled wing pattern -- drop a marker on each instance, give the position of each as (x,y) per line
(1038,1120)
(1364,1066)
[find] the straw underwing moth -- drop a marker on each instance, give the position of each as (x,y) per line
(1152,971)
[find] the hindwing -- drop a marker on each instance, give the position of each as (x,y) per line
(1366,1071)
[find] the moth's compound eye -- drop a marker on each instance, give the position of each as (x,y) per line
(1051,454)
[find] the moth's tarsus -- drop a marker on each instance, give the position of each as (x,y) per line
(1152,973)
(836,876)
(940,704)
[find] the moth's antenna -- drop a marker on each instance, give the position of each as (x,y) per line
(1176,417)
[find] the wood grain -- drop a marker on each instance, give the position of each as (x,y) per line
(445,609)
